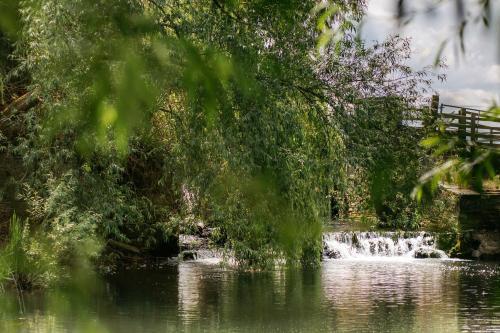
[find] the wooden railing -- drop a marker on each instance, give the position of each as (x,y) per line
(470,125)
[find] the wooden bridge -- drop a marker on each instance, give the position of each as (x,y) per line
(470,125)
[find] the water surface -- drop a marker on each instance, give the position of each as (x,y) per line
(352,295)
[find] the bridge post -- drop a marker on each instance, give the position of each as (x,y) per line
(462,130)
(473,128)
(434,107)
(431,118)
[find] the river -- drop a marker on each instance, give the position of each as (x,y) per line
(371,293)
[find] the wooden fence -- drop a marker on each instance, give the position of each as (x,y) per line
(470,125)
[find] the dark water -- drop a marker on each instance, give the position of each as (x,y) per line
(391,295)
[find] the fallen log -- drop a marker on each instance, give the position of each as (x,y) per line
(123,246)
(22,103)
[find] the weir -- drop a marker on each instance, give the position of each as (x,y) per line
(344,245)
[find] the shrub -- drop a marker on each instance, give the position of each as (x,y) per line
(25,260)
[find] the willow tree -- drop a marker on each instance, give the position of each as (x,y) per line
(244,105)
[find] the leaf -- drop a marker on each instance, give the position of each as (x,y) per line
(461,33)
(430,142)
(324,39)
(486,21)
(331,11)
(439,53)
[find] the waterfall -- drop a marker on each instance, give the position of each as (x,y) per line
(341,245)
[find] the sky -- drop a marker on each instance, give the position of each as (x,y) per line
(473,77)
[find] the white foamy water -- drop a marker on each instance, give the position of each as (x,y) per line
(343,245)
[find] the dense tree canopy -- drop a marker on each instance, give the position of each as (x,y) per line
(248,115)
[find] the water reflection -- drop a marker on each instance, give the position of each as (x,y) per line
(392,295)
(346,296)
(341,296)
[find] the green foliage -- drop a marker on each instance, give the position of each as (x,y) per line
(92,67)
(81,200)
(25,260)
(387,161)
(140,100)
(10,18)
(463,163)
(261,224)
(265,128)
(441,214)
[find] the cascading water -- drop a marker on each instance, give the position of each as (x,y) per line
(341,245)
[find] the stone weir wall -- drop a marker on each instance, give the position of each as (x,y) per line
(479,221)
